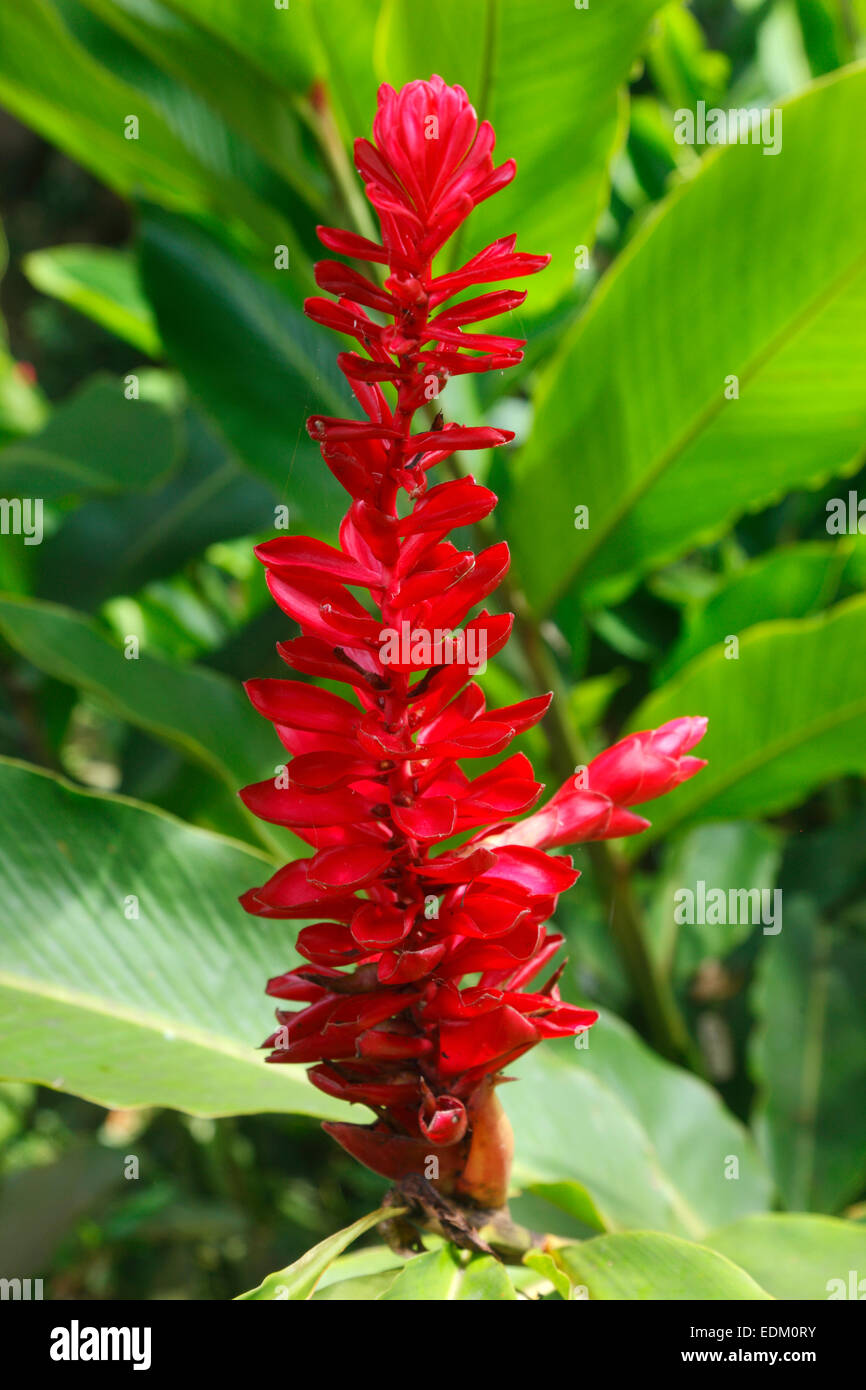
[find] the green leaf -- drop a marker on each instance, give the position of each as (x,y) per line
(201,712)
(380,1276)
(733,855)
(167,1009)
(484,1279)
(766,754)
(362,1288)
(117,545)
(50,82)
(793,582)
(298,1281)
(252,103)
(458,48)
(441,1275)
(102,283)
(807,854)
(683,68)
(97,441)
(796,1256)
(632,420)
(276,42)
(517,60)
(575,1200)
(546,1266)
(279,56)
(648,1143)
(206,304)
(294,47)
(363,1274)
(808,1057)
(588,700)
(432,1276)
(647,1265)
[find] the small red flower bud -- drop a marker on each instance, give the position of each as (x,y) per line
(442,1120)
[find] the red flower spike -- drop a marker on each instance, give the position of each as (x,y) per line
(396,923)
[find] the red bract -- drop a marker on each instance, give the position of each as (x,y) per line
(374,785)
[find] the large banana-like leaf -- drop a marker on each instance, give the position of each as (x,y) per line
(797,1256)
(50,81)
(97,441)
(785,716)
(635,417)
(192,50)
(646,1265)
(618,1138)
(200,712)
(129,974)
(794,581)
(252,358)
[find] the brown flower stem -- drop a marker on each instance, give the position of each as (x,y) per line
(419,1208)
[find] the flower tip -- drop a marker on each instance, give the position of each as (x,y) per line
(690,766)
(624,822)
(691,728)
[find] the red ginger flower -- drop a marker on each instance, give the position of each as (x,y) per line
(375,783)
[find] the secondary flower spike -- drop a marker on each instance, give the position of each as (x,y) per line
(376,781)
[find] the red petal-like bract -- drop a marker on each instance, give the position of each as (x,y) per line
(375,784)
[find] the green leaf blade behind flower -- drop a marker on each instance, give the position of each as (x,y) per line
(792,582)
(805,1257)
(97,441)
(766,753)
(257,365)
(619,1138)
(51,82)
(646,1265)
(163,1008)
(204,714)
(632,417)
(190,43)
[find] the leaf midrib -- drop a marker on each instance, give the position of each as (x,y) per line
(33,455)
(704,418)
(153,1023)
(772,750)
(679,1204)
